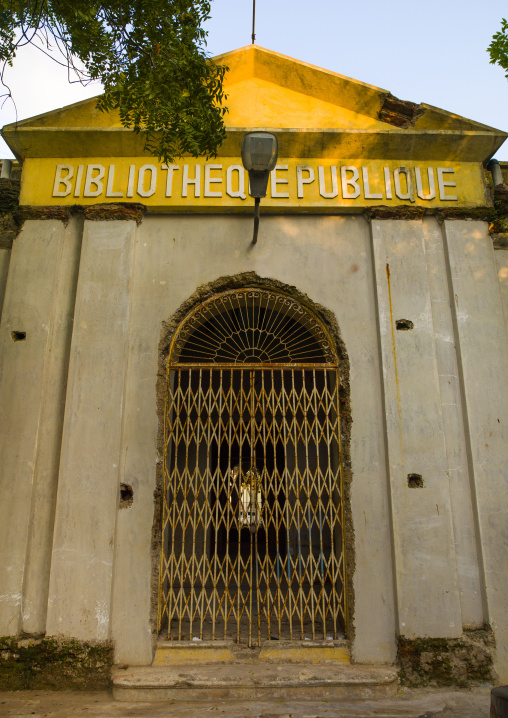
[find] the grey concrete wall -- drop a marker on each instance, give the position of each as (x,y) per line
(5,257)
(483,350)
(501,257)
(38,557)
(39,302)
(452,407)
(431,401)
(79,603)
(330,260)
(425,562)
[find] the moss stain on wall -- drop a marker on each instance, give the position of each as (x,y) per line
(460,662)
(37,663)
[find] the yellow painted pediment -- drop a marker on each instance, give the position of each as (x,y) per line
(329,113)
(251,102)
(264,89)
(255,102)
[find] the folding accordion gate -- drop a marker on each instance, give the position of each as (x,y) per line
(252,516)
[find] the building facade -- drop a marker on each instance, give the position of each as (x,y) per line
(301,439)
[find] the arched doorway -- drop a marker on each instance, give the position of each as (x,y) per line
(252,514)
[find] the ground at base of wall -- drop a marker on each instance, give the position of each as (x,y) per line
(37,662)
(409,703)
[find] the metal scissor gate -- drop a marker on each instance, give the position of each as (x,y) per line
(252,501)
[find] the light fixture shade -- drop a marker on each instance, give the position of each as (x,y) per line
(259,151)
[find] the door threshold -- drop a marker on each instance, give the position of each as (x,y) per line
(285,651)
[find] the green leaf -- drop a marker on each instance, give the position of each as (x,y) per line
(150,57)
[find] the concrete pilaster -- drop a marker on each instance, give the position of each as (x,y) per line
(464,527)
(133,584)
(5,256)
(36,320)
(40,542)
(88,492)
(425,564)
(483,352)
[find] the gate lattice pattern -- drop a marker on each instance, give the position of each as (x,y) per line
(252,506)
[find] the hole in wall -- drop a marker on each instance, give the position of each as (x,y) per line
(126,496)
(415,481)
(404,324)
(18,336)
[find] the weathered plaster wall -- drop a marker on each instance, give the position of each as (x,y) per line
(172,257)
(5,257)
(423,400)
(501,256)
(426,574)
(33,371)
(79,602)
(482,347)
(457,467)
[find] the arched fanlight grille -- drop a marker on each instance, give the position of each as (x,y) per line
(251,326)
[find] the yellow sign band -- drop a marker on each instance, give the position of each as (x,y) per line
(223,183)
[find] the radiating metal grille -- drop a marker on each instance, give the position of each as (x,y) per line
(252,506)
(251,325)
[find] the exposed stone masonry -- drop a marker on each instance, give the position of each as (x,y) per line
(400,113)
(462,662)
(36,662)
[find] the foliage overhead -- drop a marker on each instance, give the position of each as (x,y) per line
(498,48)
(149,56)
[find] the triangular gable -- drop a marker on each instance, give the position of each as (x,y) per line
(268,90)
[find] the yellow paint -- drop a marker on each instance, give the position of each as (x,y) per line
(79,114)
(304,654)
(308,184)
(264,89)
(270,105)
(394,144)
(176,655)
(309,80)
(316,113)
(166,655)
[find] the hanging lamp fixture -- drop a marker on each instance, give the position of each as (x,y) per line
(259,157)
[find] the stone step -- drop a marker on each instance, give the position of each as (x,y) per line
(254,680)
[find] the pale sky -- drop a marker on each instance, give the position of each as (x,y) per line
(433,52)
